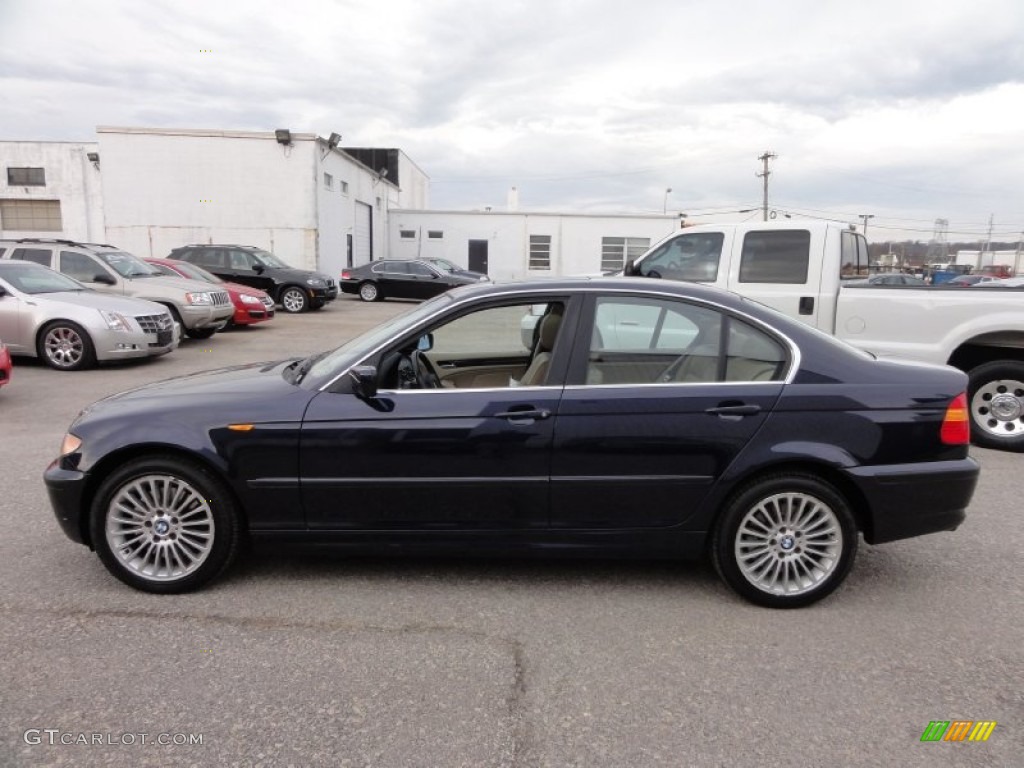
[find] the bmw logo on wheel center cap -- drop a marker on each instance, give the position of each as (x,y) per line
(786,543)
(162,527)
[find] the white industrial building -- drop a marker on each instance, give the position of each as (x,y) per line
(314,203)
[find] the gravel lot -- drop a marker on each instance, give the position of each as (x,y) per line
(324,661)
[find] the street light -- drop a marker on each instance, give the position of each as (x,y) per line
(664,208)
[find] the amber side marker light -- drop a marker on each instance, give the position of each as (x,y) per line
(251,427)
(956,426)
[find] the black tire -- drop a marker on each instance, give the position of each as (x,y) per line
(995,400)
(368,291)
(759,520)
(200,333)
(293,299)
(65,346)
(174,555)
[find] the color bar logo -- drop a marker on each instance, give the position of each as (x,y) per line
(958,730)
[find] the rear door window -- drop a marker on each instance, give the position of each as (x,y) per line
(781,256)
(36,255)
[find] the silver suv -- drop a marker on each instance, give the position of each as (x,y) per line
(200,308)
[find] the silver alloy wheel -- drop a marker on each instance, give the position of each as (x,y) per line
(64,346)
(159,527)
(293,300)
(998,408)
(788,543)
(368,292)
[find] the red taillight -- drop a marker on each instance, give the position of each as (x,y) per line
(956,426)
(346,275)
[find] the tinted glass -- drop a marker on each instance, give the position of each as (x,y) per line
(775,257)
(37,255)
(686,257)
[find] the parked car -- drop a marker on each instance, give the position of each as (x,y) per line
(48,315)
(5,363)
(963,281)
(296,290)
(888,278)
(251,304)
(400,279)
(447,266)
(200,311)
(733,430)
(1009,282)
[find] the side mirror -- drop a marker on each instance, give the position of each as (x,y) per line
(258,269)
(426,342)
(3,291)
(104,279)
(364,381)
(630,270)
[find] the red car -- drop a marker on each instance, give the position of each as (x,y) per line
(251,304)
(5,364)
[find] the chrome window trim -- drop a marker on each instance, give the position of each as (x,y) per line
(794,350)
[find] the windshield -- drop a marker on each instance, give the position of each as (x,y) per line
(127,265)
(193,272)
(443,264)
(267,259)
(349,353)
(32,279)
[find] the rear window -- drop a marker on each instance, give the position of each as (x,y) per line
(776,256)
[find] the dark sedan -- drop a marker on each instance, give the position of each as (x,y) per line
(402,279)
(659,421)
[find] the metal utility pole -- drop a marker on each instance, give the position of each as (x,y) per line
(988,244)
(864,217)
(764,174)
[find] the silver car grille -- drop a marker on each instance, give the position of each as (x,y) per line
(155,323)
(220,298)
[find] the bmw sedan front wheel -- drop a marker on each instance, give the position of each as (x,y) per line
(785,541)
(164,525)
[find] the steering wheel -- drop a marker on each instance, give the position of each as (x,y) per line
(423,371)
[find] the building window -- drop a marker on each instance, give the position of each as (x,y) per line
(344,187)
(540,252)
(26,177)
(435,234)
(328,180)
(615,251)
(408,234)
(30,215)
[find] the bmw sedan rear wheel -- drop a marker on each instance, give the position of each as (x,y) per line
(785,541)
(165,525)
(66,346)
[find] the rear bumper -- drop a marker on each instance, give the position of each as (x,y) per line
(915,499)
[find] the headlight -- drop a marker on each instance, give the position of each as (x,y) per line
(317,282)
(70,444)
(115,320)
(198,298)
(247,299)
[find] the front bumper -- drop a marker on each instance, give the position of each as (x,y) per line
(66,489)
(125,345)
(323,295)
(914,499)
(199,316)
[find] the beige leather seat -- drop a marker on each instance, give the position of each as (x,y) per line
(537,371)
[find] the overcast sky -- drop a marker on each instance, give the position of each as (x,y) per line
(906,110)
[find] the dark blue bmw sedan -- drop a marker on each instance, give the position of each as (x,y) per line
(612,417)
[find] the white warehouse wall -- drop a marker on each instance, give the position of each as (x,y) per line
(165,188)
(575,238)
(70,178)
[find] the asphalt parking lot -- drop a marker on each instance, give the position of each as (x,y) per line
(328,661)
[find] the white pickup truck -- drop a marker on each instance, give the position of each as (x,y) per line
(800,268)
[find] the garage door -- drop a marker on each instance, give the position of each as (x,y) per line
(364,234)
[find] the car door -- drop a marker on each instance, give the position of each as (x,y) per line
(660,401)
(456,458)
(91,272)
(425,281)
(15,322)
(243,268)
(395,280)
